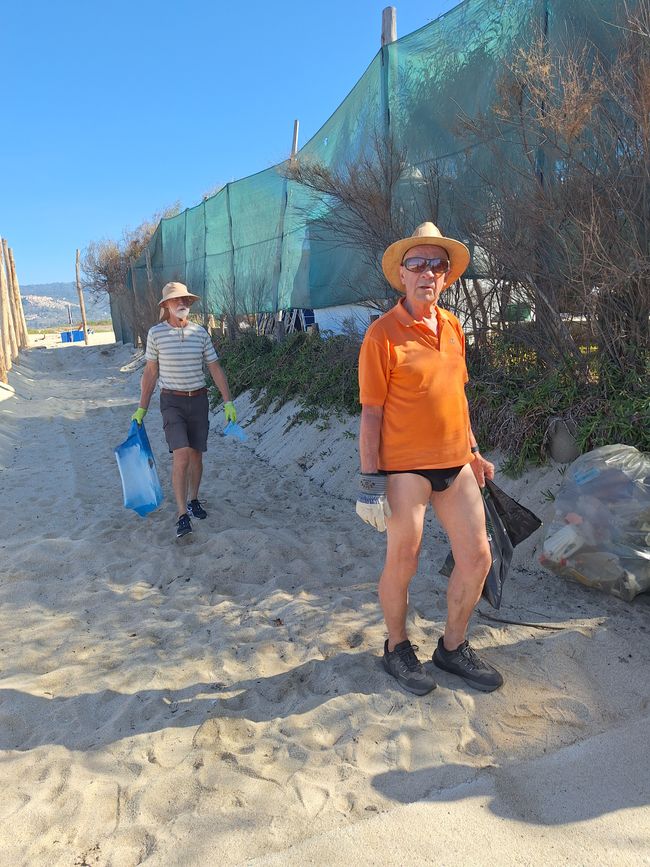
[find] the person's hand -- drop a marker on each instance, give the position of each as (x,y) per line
(482,468)
(372,503)
(139,415)
(229,411)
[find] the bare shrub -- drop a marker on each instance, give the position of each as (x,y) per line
(105,265)
(567,187)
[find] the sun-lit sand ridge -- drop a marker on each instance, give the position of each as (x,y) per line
(224,701)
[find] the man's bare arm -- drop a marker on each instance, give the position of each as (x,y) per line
(482,468)
(220,379)
(369,437)
(148,383)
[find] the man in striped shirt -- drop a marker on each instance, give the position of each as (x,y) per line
(176,352)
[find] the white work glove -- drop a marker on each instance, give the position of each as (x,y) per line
(372,504)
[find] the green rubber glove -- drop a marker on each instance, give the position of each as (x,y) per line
(139,415)
(229,411)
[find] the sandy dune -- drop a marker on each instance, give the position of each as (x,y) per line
(223,702)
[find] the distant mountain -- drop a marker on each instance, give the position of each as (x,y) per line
(47,304)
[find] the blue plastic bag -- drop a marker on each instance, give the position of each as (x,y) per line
(232,429)
(140,482)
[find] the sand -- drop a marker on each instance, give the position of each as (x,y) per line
(223,701)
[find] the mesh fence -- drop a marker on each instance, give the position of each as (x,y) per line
(256,247)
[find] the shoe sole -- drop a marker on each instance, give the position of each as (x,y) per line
(480,686)
(184,539)
(408,688)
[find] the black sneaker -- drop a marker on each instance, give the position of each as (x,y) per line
(183,526)
(196,510)
(407,669)
(466,663)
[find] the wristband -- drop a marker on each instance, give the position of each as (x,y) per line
(373,484)
(474,450)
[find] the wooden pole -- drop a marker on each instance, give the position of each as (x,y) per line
(19,300)
(5,363)
(8,300)
(3,366)
(14,300)
(8,337)
(4,329)
(151,308)
(13,311)
(137,316)
(80,292)
(147,259)
(389,68)
(388,25)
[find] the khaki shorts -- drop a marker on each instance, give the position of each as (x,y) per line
(185,421)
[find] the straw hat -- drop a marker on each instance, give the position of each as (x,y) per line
(426,233)
(174,290)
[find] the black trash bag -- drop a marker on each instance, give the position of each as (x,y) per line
(506,520)
(519,522)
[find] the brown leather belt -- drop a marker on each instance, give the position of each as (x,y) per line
(193,393)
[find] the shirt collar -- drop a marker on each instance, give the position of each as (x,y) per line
(405,318)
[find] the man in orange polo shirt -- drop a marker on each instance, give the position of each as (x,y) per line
(417,447)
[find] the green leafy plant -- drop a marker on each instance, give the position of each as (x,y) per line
(316,371)
(512,394)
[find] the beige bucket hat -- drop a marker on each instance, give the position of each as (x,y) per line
(426,233)
(174,290)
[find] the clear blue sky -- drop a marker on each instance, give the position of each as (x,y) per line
(113,111)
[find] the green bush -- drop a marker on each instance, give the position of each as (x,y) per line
(512,396)
(512,406)
(318,372)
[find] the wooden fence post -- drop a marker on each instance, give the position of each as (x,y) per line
(15,303)
(4,319)
(12,301)
(80,293)
(7,303)
(3,363)
(19,302)
(151,305)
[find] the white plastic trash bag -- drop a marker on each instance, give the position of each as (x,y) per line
(600,532)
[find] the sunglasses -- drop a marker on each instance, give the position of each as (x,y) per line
(420,264)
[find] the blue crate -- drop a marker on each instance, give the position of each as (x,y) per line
(72,336)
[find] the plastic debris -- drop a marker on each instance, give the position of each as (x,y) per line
(232,429)
(600,532)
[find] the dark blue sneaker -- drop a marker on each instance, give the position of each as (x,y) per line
(466,663)
(183,526)
(407,669)
(196,510)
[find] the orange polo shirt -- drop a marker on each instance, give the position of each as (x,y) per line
(419,379)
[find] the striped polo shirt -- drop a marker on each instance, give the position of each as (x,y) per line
(180,353)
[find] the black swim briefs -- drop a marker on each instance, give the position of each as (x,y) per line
(439,480)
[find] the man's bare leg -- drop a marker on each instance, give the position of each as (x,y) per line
(195,473)
(462,515)
(180,469)
(408,495)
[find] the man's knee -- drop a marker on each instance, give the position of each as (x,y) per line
(402,560)
(182,458)
(475,563)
